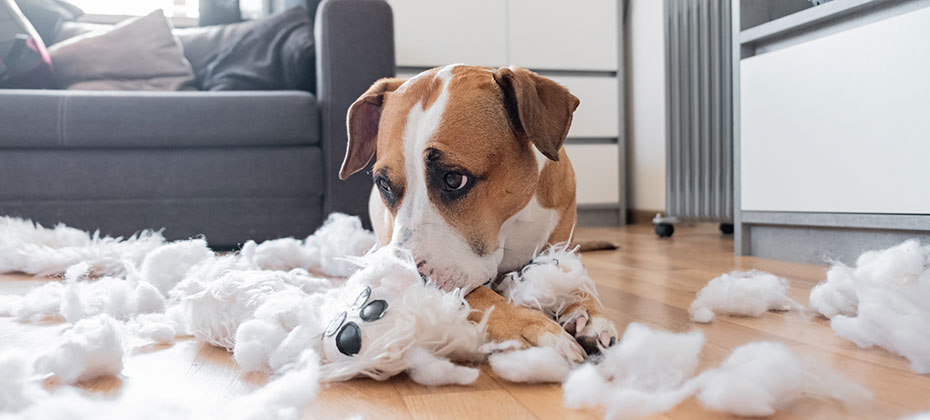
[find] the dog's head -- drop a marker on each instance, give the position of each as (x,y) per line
(459,152)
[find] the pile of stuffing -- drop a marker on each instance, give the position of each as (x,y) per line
(334,306)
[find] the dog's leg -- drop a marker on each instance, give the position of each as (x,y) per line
(586,321)
(529,327)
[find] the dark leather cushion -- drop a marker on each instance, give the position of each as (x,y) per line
(24,60)
(272,53)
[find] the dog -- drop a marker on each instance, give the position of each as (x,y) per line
(470,175)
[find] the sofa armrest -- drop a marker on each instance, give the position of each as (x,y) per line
(354,48)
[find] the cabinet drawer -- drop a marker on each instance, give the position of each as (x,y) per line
(561,35)
(599,111)
(597,172)
(431,33)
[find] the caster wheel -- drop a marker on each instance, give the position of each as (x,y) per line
(665,230)
(726,228)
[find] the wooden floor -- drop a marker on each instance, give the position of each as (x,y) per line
(648,280)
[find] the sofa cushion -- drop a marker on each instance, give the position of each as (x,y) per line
(24,60)
(137,54)
(134,174)
(85,119)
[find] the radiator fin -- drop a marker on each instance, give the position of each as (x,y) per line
(699,152)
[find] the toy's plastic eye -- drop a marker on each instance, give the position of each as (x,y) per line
(335,324)
(349,339)
(362,298)
(373,311)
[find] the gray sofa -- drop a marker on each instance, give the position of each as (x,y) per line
(231,166)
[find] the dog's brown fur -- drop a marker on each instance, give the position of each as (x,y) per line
(509,114)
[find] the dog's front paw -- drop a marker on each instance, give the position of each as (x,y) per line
(589,327)
(532,328)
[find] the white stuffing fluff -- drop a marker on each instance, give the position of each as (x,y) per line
(326,250)
(166,265)
(554,280)
(647,372)
(282,398)
(341,236)
(535,364)
(836,295)
(214,313)
(427,369)
(80,298)
(93,347)
(156,327)
(17,388)
(71,404)
(758,378)
(651,371)
(255,341)
(265,306)
(918,416)
(883,301)
(285,396)
(39,303)
(32,249)
(743,293)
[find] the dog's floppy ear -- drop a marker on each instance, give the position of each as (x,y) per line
(362,121)
(540,109)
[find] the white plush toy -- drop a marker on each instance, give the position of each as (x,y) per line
(382,321)
(373,316)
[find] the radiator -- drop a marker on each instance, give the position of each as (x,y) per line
(699,110)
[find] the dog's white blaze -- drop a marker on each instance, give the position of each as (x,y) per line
(420,127)
(418,225)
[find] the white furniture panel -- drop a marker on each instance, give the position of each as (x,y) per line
(597,173)
(840,123)
(598,114)
(563,35)
(430,33)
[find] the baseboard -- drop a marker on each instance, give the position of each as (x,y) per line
(641,217)
(599,217)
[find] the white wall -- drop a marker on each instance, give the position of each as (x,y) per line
(646,101)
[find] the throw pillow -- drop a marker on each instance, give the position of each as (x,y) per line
(272,53)
(24,61)
(138,54)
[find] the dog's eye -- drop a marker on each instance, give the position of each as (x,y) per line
(455,181)
(349,339)
(383,184)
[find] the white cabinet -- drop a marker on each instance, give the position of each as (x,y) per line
(840,123)
(599,111)
(597,173)
(432,32)
(563,35)
(536,34)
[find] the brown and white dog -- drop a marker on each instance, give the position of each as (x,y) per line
(471,177)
